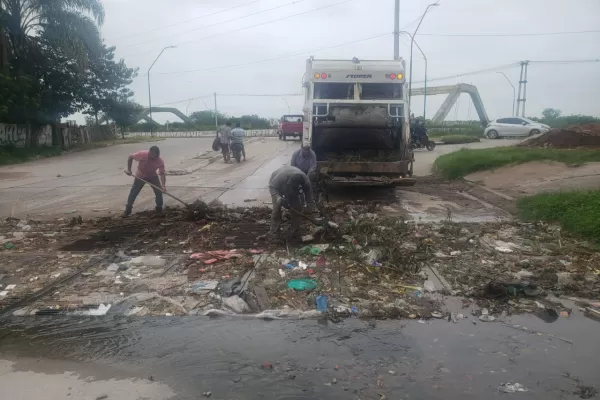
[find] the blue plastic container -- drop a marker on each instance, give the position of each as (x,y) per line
(321,302)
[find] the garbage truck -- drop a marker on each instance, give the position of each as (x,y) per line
(356,119)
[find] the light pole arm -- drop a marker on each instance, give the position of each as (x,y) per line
(513,88)
(412,41)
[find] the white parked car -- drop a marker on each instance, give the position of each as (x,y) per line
(514,126)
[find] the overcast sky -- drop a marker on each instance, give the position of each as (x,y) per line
(227,48)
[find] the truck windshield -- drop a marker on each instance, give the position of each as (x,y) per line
(334,91)
(380,91)
(292,118)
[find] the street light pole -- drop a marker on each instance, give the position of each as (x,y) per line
(288,105)
(412,41)
(425,88)
(397,30)
(149,91)
(514,92)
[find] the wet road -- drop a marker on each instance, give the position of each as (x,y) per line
(92,183)
(181,358)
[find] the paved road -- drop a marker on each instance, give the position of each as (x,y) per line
(92,183)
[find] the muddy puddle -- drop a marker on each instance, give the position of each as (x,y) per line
(356,359)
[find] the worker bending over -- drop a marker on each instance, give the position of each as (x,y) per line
(285,185)
(149,162)
(305,160)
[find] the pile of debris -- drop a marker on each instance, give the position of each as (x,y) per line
(570,137)
(374,265)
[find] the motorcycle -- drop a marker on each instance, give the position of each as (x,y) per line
(424,143)
(236,150)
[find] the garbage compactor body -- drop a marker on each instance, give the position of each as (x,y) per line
(357,121)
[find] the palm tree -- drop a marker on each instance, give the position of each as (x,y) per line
(71,25)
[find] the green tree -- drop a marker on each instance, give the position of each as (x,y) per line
(106,79)
(124,112)
(551,113)
(72,25)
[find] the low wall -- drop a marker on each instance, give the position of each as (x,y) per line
(16,135)
(192,134)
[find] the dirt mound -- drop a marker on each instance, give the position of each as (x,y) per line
(571,136)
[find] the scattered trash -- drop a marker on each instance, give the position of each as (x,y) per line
(149,261)
(205,228)
(207,394)
(504,249)
(455,253)
(564,279)
(418,293)
(523,274)
(204,286)
(485,316)
(564,314)
(10,287)
(237,304)
(321,303)
(436,314)
(512,388)
(9,246)
(267,365)
(307,238)
(513,289)
(547,315)
(302,284)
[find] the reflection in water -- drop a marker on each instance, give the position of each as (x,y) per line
(313,359)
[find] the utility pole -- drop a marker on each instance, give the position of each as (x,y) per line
(216,113)
(522,89)
(397,30)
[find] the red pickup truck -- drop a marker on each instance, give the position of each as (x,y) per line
(290,125)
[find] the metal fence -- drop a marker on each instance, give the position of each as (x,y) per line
(197,134)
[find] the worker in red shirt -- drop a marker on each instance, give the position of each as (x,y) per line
(149,162)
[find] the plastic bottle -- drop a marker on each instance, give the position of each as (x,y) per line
(321,302)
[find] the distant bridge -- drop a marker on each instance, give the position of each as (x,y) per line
(453,92)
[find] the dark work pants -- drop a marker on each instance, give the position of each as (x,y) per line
(137,187)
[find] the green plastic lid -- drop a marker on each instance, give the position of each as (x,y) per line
(302,284)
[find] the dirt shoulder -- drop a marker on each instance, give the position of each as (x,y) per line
(539,177)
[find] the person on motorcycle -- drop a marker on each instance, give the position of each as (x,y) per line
(285,185)
(237,138)
(418,132)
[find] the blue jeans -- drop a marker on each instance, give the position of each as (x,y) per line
(136,189)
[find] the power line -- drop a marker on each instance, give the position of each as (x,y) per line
(233,95)
(507,34)
(190,20)
(268,22)
(188,99)
(481,71)
(566,61)
(273,58)
(216,24)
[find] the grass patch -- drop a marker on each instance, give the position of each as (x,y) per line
(465,161)
(437,133)
(15,155)
(458,139)
(576,211)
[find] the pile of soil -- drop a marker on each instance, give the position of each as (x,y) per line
(569,137)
